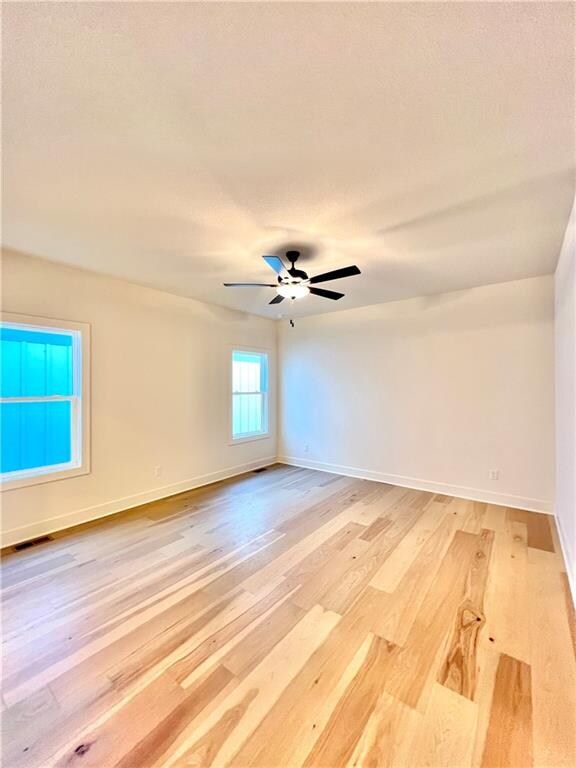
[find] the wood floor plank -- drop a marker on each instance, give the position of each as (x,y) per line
(176,641)
(342,580)
(27,723)
(109,647)
(311,552)
(403,605)
(290,618)
(507,597)
(345,590)
(411,667)
(322,713)
(315,587)
(277,737)
(509,737)
(446,735)
(460,666)
(241,659)
(376,528)
(160,738)
(175,599)
(223,733)
(552,669)
(343,731)
(393,569)
(204,752)
(474,522)
(17,577)
(34,746)
(387,739)
(222,635)
(538,525)
(106,745)
(307,566)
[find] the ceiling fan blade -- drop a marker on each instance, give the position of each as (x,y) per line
(275,263)
(326,294)
(336,274)
(276,299)
(250,285)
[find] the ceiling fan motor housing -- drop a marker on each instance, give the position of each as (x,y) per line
(292,257)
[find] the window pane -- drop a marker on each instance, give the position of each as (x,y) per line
(58,369)
(249,372)
(33,369)
(247,414)
(35,363)
(246,377)
(35,435)
(249,385)
(11,368)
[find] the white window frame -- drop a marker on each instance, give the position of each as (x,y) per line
(265,433)
(80,399)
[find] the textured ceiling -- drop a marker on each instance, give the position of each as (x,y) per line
(172,144)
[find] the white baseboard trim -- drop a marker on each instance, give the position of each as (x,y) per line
(568,562)
(473,494)
(89,514)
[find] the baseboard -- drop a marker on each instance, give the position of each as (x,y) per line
(474,494)
(568,561)
(99,511)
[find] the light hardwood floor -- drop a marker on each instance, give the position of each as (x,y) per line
(292,618)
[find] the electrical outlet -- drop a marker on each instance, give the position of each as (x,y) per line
(493,474)
(306,448)
(158,471)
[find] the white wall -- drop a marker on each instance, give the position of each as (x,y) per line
(565,284)
(430,393)
(159,393)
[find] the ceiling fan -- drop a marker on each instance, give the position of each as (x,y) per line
(294,283)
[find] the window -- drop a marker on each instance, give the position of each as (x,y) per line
(249,395)
(43,400)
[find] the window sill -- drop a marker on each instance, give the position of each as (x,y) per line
(249,438)
(21,480)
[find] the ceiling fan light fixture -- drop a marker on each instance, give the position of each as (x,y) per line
(293,291)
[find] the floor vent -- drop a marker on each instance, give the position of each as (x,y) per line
(32,543)
(260,469)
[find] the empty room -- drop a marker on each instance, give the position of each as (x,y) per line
(288,385)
